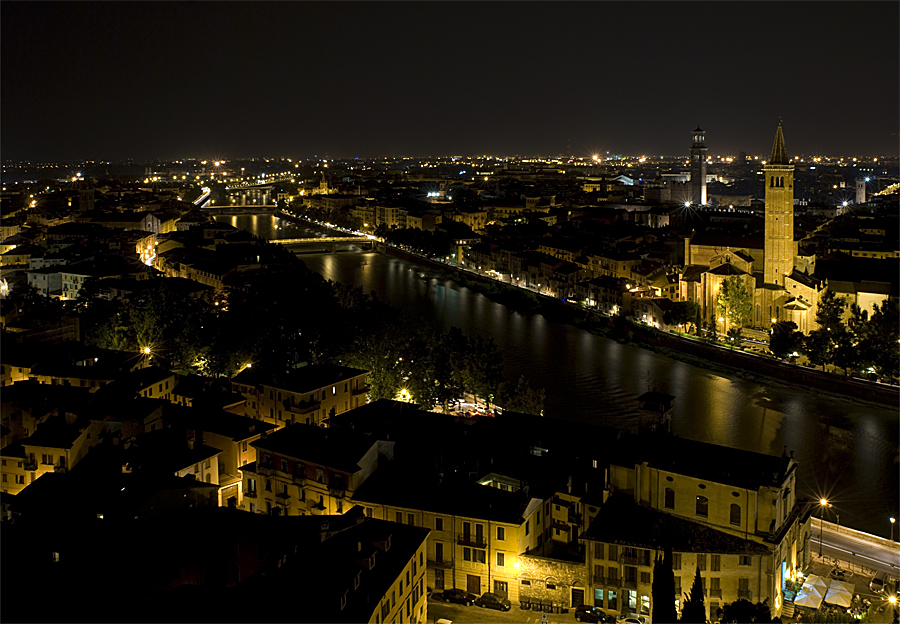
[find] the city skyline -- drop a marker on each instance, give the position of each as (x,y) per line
(151,81)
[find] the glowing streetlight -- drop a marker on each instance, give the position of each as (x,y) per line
(893,520)
(146,350)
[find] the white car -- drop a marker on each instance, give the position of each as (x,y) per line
(632,619)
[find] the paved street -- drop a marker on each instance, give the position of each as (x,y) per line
(857,552)
(458,613)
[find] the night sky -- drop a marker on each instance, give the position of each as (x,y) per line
(114,80)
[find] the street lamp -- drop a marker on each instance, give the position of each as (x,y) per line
(893,520)
(823,503)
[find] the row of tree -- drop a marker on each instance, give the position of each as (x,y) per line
(342,217)
(291,316)
(863,343)
(429,244)
(435,368)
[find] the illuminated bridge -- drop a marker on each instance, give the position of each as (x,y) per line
(330,243)
(326,240)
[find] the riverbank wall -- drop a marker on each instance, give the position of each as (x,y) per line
(746,363)
(703,354)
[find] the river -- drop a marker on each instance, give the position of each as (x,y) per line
(848,451)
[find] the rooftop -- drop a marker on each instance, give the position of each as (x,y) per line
(622,521)
(336,448)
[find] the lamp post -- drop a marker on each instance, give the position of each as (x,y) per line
(823,503)
(893,520)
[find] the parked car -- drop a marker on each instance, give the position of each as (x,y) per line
(878,582)
(584,613)
(459,596)
(490,600)
(632,618)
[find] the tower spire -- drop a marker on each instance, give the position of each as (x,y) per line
(779,156)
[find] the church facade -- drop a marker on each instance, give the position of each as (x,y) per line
(769,267)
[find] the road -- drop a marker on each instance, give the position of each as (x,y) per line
(459,613)
(875,556)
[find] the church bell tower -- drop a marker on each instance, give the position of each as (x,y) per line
(779,213)
(698,168)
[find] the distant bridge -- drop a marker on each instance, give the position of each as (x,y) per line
(330,243)
(326,239)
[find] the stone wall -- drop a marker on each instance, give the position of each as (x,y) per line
(552,580)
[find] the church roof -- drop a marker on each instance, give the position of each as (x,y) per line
(804,278)
(726,269)
(779,156)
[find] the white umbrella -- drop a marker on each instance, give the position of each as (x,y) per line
(809,596)
(817,581)
(839,594)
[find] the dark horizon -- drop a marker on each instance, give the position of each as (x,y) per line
(111,81)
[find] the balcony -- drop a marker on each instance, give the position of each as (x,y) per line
(746,594)
(442,564)
(59,469)
(303,407)
(282,497)
(299,479)
(360,390)
(630,560)
(30,464)
(476,541)
(337,492)
(612,581)
(715,593)
(250,494)
(265,469)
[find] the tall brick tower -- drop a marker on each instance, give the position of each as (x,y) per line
(698,167)
(779,243)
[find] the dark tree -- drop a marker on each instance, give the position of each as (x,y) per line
(830,311)
(818,347)
(785,340)
(885,332)
(682,313)
(663,589)
(694,609)
(742,611)
(521,397)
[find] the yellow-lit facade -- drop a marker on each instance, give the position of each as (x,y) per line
(293,486)
(17,473)
(763,514)
(406,599)
(281,406)
(470,553)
